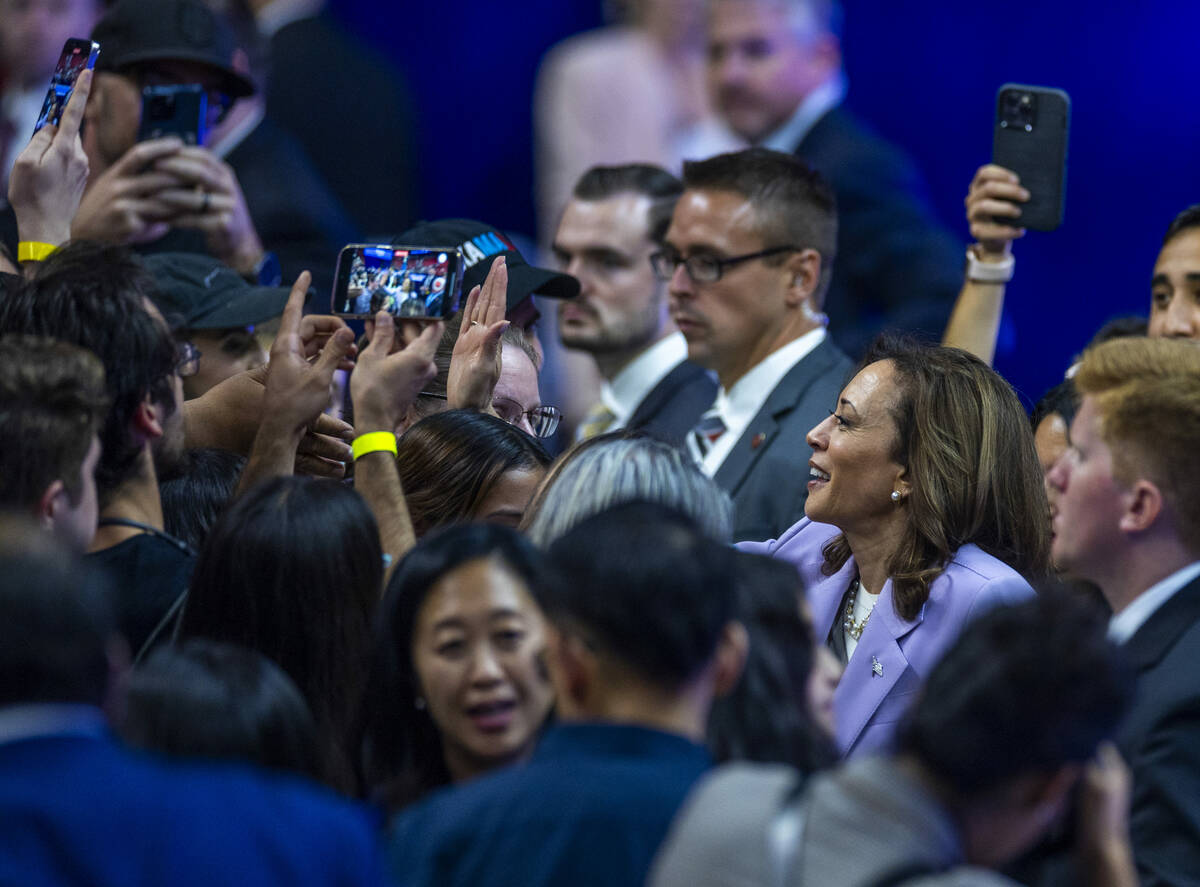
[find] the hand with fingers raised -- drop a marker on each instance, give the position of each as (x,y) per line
(475,361)
(50,174)
(386,381)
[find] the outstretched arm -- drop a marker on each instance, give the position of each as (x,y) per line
(975,321)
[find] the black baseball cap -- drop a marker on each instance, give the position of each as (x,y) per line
(135,32)
(204,294)
(479,242)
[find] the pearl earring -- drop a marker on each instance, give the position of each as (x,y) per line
(895,495)
(419,703)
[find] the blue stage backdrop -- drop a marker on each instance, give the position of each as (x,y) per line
(925,75)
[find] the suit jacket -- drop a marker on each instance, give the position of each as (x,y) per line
(894,655)
(675,404)
(80,810)
(766,472)
(896,267)
(1160,740)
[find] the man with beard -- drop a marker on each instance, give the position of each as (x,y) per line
(615,219)
(98,297)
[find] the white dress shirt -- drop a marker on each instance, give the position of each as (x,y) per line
(1124,625)
(628,388)
(822,99)
(742,402)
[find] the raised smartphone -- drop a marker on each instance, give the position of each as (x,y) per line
(176,110)
(419,282)
(1030,137)
(77,56)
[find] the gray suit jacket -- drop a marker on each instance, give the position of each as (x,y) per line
(862,825)
(766,472)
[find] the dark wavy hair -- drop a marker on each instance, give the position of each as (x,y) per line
(449,461)
(966,442)
(294,570)
(400,744)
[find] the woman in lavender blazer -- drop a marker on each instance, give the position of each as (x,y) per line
(925,508)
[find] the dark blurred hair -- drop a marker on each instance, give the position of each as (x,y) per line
(401,746)
(55,621)
(1062,399)
(1189,218)
(95,296)
(767,716)
(449,462)
(192,501)
(794,205)
(212,700)
(1025,689)
(644,585)
(1119,328)
(663,189)
(52,401)
(965,440)
(294,570)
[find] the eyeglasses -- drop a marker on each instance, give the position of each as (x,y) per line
(543,419)
(187,359)
(704,268)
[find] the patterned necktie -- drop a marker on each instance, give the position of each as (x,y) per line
(706,433)
(598,418)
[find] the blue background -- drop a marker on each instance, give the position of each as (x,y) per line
(924,75)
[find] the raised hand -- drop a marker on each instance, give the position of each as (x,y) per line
(475,361)
(994,196)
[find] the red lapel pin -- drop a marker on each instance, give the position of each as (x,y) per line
(757,441)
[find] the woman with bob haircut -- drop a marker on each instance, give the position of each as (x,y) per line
(459,465)
(294,570)
(619,467)
(457,684)
(925,508)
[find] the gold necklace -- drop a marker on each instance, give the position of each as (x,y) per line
(852,628)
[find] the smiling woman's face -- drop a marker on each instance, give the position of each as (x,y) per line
(853,469)
(477,649)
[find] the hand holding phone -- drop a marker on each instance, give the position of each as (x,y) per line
(177,110)
(77,56)
(994,206)
(50,174)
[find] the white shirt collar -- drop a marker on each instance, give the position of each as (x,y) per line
(826,96)
(625,393)
(743,401)
(278,13)
(1125,624)
(49,719)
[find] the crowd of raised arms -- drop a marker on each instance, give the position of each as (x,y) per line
(777,592)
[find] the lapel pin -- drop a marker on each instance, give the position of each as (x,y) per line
(757,441)
(876,668)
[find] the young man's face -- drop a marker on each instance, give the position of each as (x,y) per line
(606,245)
(1175,288)
(1088,500)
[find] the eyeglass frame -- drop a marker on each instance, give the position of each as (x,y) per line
(187,354)
(718,265)
(553,414)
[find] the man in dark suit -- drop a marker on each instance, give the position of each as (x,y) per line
(615,220)
(749,254)
(77,808)
(1126,503)
(776,80)
(640,637)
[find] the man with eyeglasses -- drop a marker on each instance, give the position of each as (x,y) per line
(748,257)
(160,194)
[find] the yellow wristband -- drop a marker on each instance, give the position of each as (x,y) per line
(375,442)
(32,251)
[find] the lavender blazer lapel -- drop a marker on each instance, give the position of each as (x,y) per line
(873,670)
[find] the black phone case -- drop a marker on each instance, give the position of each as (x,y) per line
(187,121)
(1038,156)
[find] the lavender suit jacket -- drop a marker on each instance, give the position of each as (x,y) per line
(894,655)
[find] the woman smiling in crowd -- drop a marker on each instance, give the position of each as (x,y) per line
(925,508)
(457,686)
